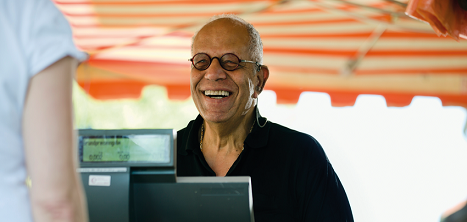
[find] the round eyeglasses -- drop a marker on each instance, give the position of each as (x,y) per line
(229,61)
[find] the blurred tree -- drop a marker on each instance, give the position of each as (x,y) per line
(152,110)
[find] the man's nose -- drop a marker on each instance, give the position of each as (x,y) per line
(215,71)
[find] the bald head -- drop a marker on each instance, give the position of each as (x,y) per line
(253,44)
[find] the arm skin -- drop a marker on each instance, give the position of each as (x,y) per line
(49,143)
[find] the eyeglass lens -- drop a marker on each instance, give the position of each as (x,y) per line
(228,61)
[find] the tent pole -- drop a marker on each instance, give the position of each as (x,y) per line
(353,63)
(392,13)
(368,20)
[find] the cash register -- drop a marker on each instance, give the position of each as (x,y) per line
(130,176)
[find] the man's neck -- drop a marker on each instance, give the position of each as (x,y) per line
(221,144)
(228,136)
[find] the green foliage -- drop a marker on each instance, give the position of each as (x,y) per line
(152,111)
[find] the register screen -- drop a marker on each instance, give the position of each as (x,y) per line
(131,148)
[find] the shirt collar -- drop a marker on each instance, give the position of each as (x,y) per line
(192,137)
(256,139)
(259,136)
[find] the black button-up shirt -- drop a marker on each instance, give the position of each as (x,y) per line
(292,179)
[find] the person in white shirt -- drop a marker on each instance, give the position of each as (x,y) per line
(37,64)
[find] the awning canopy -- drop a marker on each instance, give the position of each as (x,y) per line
(343,48)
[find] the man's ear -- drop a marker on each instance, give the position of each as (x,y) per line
(262,76)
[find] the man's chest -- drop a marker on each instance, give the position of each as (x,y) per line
(273,192)
(221,164)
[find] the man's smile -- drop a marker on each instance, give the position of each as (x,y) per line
(217,94)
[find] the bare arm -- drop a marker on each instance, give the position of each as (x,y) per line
(56,192)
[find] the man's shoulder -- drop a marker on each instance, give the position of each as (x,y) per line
(184,131)
(280,132)
(295,142)
(183,137)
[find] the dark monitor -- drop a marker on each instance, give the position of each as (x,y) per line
(130,176)
(204,199)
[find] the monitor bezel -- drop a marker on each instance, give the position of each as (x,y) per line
(128,132)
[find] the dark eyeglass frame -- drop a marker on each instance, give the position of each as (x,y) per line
(220,59)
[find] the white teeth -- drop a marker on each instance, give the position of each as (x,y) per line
(219,93)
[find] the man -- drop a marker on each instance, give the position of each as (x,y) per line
(292,179)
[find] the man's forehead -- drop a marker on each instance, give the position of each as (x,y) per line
(222,33)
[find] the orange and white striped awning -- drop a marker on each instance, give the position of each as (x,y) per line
(343,48)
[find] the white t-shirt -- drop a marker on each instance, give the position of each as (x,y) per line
(33,35)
